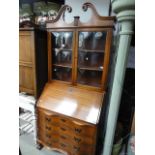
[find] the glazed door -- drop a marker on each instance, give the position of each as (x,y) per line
(61,56)
(90,58)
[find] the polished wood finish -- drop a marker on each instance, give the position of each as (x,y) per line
(68,113)
(68,117)
(72,129)
(27,73)
(82,104)
(106,59)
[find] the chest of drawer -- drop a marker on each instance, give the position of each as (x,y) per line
(64,133)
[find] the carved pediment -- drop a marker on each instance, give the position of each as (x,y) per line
(95,21)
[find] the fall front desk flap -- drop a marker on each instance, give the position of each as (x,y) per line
(74,102)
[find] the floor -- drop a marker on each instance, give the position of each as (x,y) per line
(27,147)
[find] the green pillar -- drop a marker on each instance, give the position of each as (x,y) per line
(125,13)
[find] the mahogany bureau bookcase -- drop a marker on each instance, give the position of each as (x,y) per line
(69,108)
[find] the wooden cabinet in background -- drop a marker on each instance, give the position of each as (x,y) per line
(27,72)
(32,60)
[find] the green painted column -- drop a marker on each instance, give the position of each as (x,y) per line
(125,13)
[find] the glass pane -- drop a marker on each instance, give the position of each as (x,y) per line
(91,57)
(88,77)
(62,55)
(92,40)
(62,73)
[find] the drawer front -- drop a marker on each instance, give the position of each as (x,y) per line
(45,117)
(82,129)
(82,150)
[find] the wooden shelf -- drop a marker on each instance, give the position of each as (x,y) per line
(90,81)
(91,50)
(94,68)
(66,65)
(63,49)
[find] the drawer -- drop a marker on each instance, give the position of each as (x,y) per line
(82,140)
(75,149)
(82,150)
(83,129)
(61,145)
(45,140)
(52,129)
(47,118)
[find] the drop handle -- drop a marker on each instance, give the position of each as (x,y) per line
(48,119)
(48,128)
(63,120)
(63,129)
(78,130)
(77,139)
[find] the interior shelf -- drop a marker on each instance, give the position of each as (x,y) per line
(90,81)
(66,65)
(91,50)
(93,68)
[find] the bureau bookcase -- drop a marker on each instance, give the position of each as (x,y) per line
(69,108)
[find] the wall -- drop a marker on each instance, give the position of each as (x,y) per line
(102,7)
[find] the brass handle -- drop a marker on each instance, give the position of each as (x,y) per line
(63,120)
(63,129)
(48,128)
(77,139)
(77,130)
(47,119)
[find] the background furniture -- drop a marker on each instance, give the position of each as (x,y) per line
(32,60)
(27,65)
(69,108)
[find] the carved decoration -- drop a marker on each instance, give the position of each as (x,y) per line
(60,19)
(95,21)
